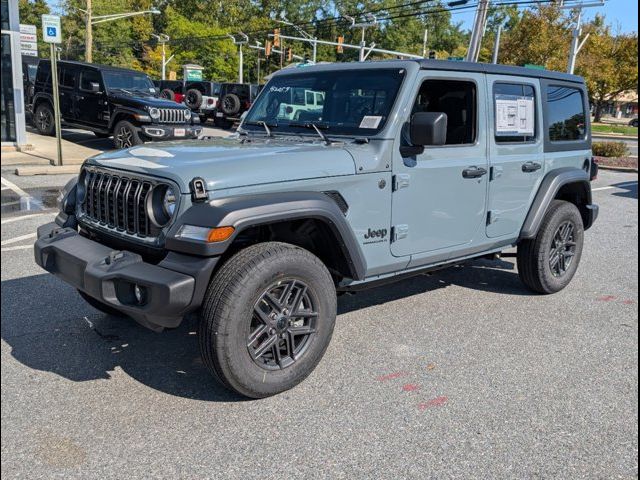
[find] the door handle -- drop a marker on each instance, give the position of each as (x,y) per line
(474,172)
(80,97)
(531,167)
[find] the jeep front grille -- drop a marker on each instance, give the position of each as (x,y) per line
(172,115)
(117,202)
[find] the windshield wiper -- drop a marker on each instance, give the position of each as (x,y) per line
(317,128)
(267,126)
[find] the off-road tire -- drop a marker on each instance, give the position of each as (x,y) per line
(228,312)
(231,104)
(125,135)
(534,255)
(168,94)
(43,119)
(193,98)
(102,307)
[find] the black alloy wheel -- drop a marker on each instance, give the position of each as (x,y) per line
(283,324)
(563,249)
(44,121)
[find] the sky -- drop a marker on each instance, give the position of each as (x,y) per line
(618,13)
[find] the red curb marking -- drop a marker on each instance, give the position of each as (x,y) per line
(607,298)
(410,387)
(629,302)
(391,376)
(434,402)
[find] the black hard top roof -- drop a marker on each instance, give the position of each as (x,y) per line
(94,65)
(497,69)
(442,65)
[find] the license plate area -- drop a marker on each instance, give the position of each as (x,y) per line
(179,132)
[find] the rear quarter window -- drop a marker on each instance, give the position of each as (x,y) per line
(566,116)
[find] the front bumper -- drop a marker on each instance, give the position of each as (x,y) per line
(165,132)
(172,288)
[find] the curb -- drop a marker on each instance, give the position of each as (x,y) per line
(609,135)
(47,170)
(618,169)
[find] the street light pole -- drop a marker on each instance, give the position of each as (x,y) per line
(496,45)
(243,39)
(162,40)
(91,20)
(363,25)
(576,44)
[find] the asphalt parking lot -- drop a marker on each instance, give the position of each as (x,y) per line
(462,374)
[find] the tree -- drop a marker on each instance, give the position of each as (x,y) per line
(610,66)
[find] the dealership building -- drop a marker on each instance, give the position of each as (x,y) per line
(12,127)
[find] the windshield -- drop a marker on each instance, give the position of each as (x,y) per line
(128,81)
(351,102)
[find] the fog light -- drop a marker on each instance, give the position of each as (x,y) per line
(140,294)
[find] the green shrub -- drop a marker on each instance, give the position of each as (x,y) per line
(610,149)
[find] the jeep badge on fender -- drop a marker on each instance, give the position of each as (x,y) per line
(257,233)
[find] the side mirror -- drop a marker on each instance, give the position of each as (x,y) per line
(95,87)
(428,129)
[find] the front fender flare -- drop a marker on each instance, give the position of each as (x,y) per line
(549,188)
(246,211)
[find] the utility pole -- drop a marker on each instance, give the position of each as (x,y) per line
(88,41)
(478,31)
(162,40)
(424,43)
(576,43)
(240,41)
(372,22)
(496,45)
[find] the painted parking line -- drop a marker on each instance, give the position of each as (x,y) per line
(613,187)
(27,202)
(26,217)
(17,247)
(17,239)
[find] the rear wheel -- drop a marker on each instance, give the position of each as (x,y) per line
(548,262)
(267,319)
(125,135)
(43,119)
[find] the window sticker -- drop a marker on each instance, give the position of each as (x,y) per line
(370,121)
(515,115)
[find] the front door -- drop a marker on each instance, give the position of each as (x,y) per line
(516,152)
(439,199)
(90,104)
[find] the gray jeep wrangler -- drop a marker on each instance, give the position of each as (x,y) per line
(398,168)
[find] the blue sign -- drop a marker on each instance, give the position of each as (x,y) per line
(51,31)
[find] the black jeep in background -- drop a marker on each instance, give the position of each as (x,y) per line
(200,96)
(29,69)
(234,100)
(109,101)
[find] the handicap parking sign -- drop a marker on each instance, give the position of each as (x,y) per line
(51,31)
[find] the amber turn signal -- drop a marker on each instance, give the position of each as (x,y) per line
(219,234)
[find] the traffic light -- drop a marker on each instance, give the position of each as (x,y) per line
(339,48)
(289,54)
(432,54)
(267,48)
(276,37)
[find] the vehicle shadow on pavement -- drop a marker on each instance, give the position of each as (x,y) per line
(51,329)
(630,191)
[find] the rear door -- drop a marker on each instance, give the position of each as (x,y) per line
(516,151)
(67,78)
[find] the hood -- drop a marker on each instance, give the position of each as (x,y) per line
(141,101)
(226,163)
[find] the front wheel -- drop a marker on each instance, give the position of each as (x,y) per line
(267,319)
(548,262)
(126,135)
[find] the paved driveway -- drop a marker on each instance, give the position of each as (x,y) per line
(460,374)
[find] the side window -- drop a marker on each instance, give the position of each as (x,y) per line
(43,73)
(566,115)
(87,77)
(67,77)
(458,99)
(515,113)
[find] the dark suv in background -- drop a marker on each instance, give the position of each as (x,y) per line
(110,101)
(29,70)
(234,100)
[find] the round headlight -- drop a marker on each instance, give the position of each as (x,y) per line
(169,202)
(154,113)
(187,114)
